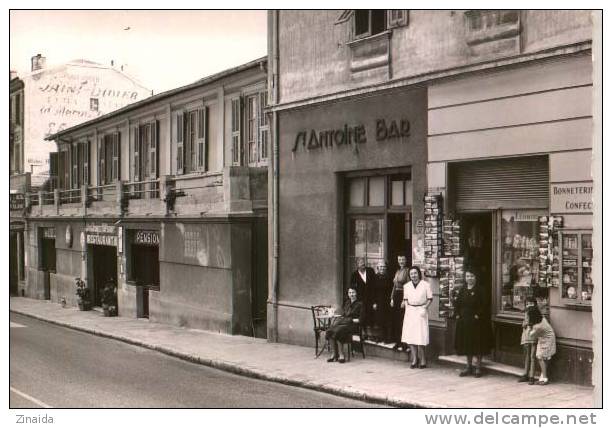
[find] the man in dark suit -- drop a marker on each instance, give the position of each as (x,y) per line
(363,280)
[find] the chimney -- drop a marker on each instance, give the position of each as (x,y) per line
(38,62)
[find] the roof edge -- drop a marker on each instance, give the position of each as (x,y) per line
(202,82)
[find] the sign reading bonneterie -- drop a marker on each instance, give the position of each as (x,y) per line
(574,197)
(147,237)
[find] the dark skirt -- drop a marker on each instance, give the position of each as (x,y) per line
(473,337)
(341,330)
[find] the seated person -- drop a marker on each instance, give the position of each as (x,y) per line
(344,326)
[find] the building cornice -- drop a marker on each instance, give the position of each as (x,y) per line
(422,79)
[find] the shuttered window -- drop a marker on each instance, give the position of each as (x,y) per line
(500,183)
(236,133)
(85,178)
(180,152)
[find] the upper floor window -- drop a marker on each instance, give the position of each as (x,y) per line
(192,136)
(93,104)
(490,26)
(256,130)
(371,22)
(145,159)
(109,158)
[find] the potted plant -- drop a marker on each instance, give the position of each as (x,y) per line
(82,292)
(109,300)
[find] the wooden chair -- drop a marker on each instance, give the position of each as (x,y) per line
(321,320)
(359,335)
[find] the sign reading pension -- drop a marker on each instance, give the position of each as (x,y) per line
(574,197)
(147,237)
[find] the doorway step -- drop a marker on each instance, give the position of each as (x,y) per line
(385,350)
(487,364)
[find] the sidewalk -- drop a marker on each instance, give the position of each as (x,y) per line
(372,379)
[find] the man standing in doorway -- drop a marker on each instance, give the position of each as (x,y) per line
(363,281)
(397,295)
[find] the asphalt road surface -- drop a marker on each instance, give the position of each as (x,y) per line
(52,366)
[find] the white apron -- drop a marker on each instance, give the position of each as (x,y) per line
(415,329)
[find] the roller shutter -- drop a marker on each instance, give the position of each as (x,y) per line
(500,183)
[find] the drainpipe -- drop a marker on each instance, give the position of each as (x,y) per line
(273,82)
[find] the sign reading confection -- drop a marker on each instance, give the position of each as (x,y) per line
(574,197)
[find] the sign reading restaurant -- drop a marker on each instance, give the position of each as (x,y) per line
(347,135)
(574,197)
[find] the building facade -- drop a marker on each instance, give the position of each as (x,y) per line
(166,199)
(457,138)
(42,102)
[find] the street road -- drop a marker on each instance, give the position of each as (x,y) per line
(51,366)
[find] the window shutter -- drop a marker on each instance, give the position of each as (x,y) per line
(86,162)
(118,143)
(53,170)
(202,137)
(101,163)
(397,17)
(506,183)
(153,158)
(136,156)
(180,153)
(74,158)
(236,132)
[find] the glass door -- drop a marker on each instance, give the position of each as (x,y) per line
(367,241)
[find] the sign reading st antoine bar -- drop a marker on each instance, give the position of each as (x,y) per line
(575,197)
(346,135)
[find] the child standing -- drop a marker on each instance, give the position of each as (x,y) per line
(545,335)
(529,345)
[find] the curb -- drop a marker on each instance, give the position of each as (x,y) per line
(247,372)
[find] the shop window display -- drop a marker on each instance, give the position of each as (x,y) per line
(576,265)
(520,258)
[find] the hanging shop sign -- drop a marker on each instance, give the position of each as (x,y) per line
(109,240)
(16,201)
(49,232)
(574,197)
(382,129)
(100,228)
(147,237)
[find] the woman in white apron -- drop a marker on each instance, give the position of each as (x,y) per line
(415,330)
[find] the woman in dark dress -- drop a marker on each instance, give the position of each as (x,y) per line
(473,334)
(345,325)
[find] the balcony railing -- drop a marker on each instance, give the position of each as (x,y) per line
(106,192)
(148,189)
(71,196)
(48,198)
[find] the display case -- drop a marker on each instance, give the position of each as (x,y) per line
(575,267)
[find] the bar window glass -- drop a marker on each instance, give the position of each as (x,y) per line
(376,191)
(357,192)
